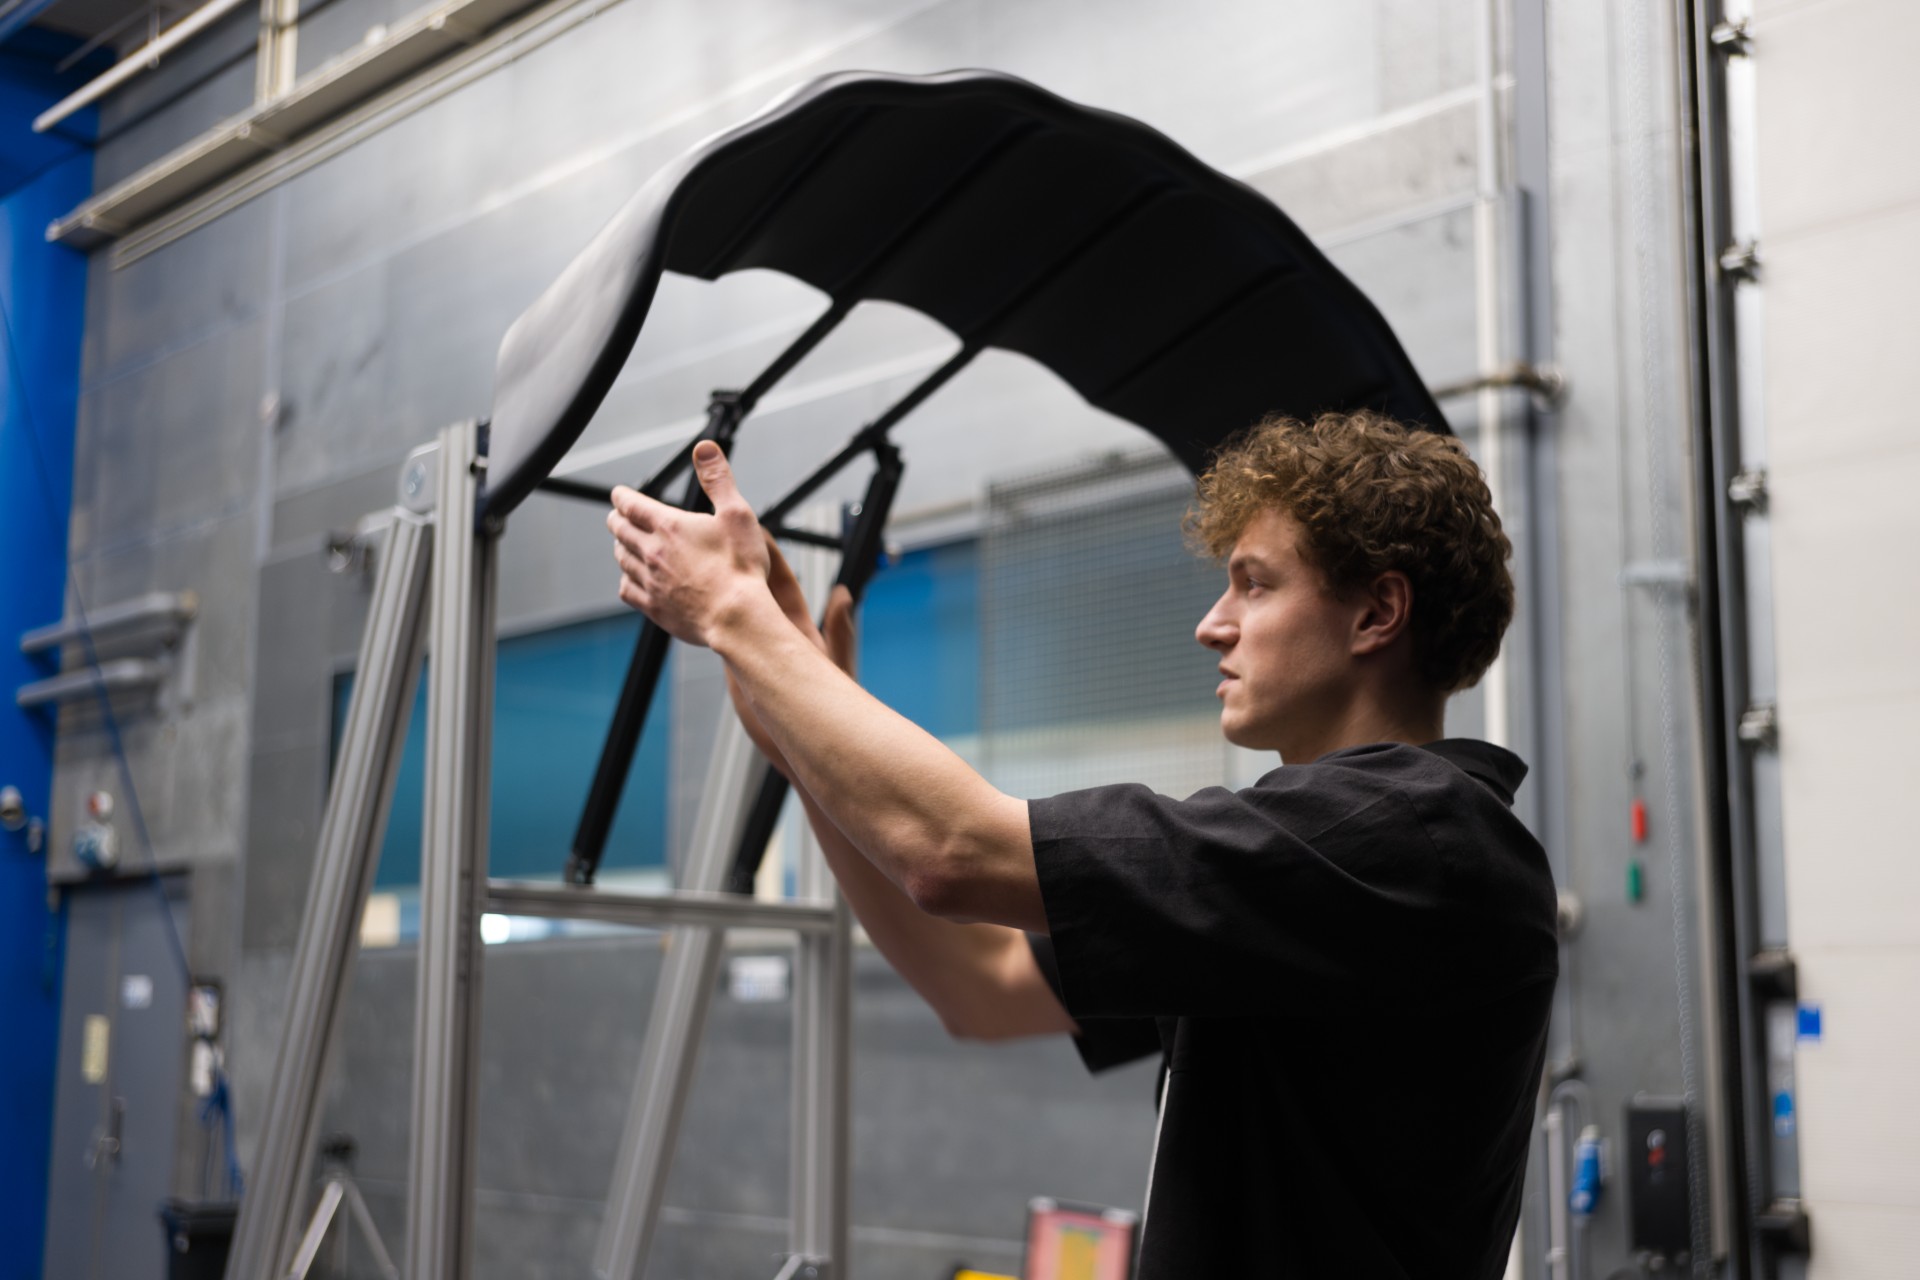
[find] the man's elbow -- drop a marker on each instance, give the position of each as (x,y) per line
(944,882)
(983,1022)
(935,888)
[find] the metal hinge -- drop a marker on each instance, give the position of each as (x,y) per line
(1760,725)
(1732,39)
(1785,1227)
(1774,975)
(1741,262)
(1748,490)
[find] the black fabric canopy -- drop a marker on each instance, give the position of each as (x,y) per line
(1159,289)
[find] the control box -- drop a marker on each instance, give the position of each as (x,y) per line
(1659,1195)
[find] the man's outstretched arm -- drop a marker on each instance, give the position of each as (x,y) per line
(957,847)
(981,979)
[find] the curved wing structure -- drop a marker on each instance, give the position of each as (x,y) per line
(1159,289)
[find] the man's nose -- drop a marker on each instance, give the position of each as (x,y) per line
(1216,631)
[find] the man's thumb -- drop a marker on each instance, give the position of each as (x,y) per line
(716,477)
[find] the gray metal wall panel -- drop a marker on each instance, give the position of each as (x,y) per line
(402,260)
(197,85)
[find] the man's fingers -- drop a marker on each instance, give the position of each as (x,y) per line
(640,511)
(625,533)
(716,477)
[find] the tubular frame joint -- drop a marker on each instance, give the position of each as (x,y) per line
(1774,975)
(1731,38)
(1740,263)
(1747,491)
(1760,726)
(1783,1226)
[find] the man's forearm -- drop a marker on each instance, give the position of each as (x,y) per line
(938,830)
(955,845)
(980,978)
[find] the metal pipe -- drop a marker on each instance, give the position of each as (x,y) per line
(145,58)
(1553,1127)
(167,608)
(1565,1239)
(819,1155)
(561,487)
(348,849)
(118,676)
(453,861)
(806,537)
(656,910)
(1489,328)
(726,410)
(1737,1105)
(873,434)
(150,14)
(680,1006)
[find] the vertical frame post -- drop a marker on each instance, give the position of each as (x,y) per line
(349,849)
(822,1037)
(275,62)
(679,1014)
(453,859)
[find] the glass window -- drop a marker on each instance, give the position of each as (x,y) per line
(554,694)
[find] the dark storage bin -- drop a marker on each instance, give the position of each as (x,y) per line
(198,1237)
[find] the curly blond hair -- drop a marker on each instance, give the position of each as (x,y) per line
(1372,494)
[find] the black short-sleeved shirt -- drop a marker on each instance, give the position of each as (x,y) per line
(1348,968)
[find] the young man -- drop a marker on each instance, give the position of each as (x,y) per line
(1347,967)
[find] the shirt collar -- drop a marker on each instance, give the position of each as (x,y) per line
(1497,767)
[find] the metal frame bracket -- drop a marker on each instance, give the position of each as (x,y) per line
(1748,490)
(1785,1227)
(1760,726)
(1731,38)
(1740,263)
(1774,975)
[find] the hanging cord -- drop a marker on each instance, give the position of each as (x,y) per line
(1653,389)
(218,1104)
(217,1108)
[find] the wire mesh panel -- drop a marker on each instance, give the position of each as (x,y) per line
(1088,601)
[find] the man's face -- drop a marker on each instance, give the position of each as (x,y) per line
(1284,640)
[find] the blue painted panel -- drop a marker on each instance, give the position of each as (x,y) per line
(42,289)
(29,85)
(554,694)
(920,638)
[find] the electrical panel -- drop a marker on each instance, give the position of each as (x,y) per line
(1659,1196)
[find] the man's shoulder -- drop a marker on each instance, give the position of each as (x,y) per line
(1446,763)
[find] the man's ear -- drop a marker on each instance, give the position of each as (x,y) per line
(1386,612)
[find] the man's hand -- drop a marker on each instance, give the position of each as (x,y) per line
(837,643)
(685,570)
(946,837)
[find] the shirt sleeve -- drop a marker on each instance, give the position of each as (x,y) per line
(1305,895)
(1101,1042)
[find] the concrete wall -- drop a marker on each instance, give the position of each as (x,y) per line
(1839,221)
(253,386)
(42,287)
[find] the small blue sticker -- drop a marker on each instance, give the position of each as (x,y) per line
(1783,1114)
(1807,1026)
